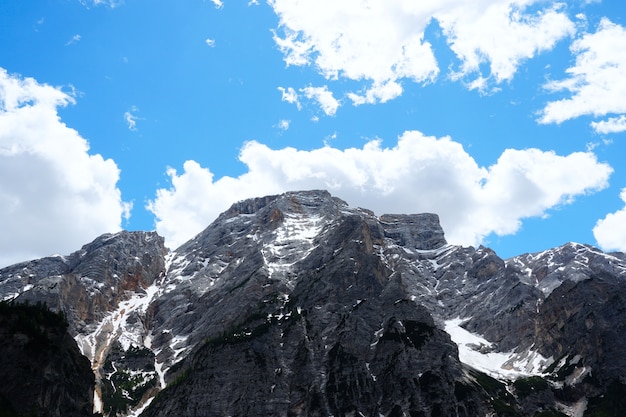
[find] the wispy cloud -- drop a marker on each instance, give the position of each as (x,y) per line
(131,118)
(74,39)
(109,3)
(321,96)
(210,42)
(283,124)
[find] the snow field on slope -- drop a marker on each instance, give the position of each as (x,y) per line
(292,241)
(114,328)
(477,352)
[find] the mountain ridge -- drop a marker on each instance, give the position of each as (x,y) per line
(300,284)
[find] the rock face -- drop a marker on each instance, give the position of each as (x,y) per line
(41,368)
(91,282)
(305,318)
(97,289)
(299,305)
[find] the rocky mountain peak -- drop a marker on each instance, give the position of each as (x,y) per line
(300,305)
(415,231)
(296,202)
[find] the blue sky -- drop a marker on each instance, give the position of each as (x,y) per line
(505,117)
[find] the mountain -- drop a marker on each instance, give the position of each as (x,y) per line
(41,368)
(299,305)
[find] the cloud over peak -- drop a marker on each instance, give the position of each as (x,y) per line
(419,174)
(54,195)
(610,232)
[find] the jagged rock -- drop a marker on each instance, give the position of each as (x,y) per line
(91,282)
(414,231)
(89,286)
(299,305)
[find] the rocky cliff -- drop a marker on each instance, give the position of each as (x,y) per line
(299,305)
(41,369)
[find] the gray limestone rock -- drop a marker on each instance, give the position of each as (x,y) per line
(300,305)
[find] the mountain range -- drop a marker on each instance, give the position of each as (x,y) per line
(300,305)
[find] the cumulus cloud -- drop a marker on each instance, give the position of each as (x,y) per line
(290,95)
(596,82)
(210,42)
(419,174)
(610,125)
(323,97)
(501,34)
(610,232)
(381,43)
(54,195)
(377,93)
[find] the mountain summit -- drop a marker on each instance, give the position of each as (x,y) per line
(299,305)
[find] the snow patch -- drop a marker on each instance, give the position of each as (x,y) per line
(140,410)
(292,242)
(115,328)
(441,250)
(480,354)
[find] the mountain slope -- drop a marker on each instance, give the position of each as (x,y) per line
(298,304)
(102,289)
(316,323)
(41,369)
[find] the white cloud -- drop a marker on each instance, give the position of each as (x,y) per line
(323,97)
(210,42)
(596,81)
(378,93)
(374,41)
(54,195)
(419,174)
(610,125)
(610,232)
(131,119)
(218,4)
(73,40)
(111,3)
(502,34)
(290,96)
(380,43)
(283,124)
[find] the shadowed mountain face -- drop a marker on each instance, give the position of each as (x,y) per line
(299,305)
(41,368)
